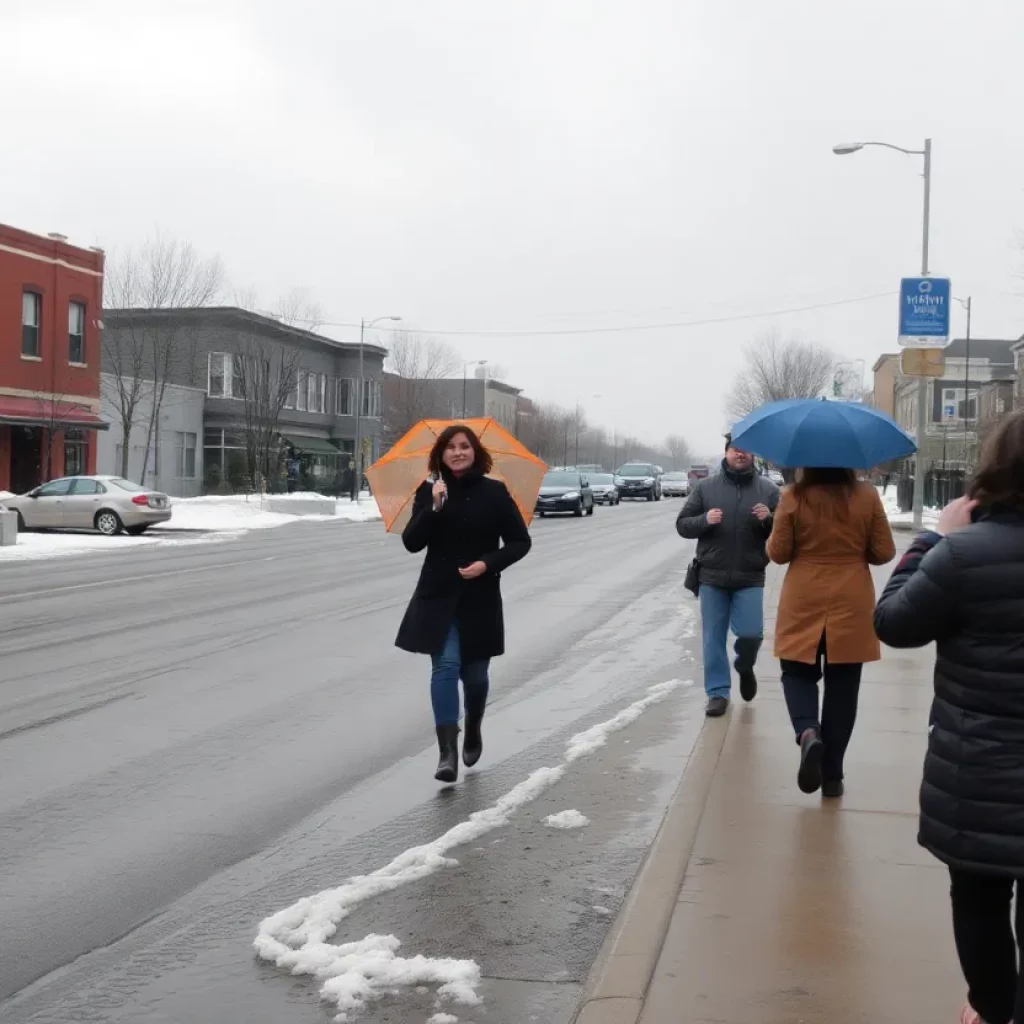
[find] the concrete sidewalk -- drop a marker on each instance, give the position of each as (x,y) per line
(760,904)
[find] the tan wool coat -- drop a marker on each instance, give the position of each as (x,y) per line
(828,587)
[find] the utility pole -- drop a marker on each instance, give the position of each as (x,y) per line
(923,382)
(966,303)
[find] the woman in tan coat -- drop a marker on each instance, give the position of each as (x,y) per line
(829,528)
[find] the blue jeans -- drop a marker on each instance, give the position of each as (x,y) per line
(444,681)
(742,609)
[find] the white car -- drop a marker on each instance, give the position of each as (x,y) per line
(675,485)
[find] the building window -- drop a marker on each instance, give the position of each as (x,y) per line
(75,449)
(303,391)
(316,386)
(184,455)
(346,392)
(371,398)
(76,332)
(224,376)
(955,405)
(31,316)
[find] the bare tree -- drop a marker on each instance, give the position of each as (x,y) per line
(265,375)
(56,414)
(298,309)
(415,365)
(777,369)
(678,450)
(161,274)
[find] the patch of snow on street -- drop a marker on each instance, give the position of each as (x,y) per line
(356,973)
(897,518)
(567,819)
(442,1018)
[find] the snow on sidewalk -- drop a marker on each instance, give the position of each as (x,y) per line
(898,518)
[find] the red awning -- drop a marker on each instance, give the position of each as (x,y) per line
(46,412)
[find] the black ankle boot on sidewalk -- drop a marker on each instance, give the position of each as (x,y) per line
(448,744)
(473,743)
(808,778)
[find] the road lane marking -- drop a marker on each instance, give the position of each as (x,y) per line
(134,579)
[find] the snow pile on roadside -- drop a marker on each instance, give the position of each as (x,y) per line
(239,512)
(356,973)
(442,1018)
(567,819)
(898,518)
(33,547)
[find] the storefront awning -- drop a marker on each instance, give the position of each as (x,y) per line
(45,412)
(310,445)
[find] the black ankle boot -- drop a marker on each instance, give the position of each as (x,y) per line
(473,743)
(448,744)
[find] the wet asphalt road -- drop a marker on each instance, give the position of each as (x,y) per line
(193,737)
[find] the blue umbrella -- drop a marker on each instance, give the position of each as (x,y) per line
(810,432)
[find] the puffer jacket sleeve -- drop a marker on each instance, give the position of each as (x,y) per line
(919,602)
(692,521)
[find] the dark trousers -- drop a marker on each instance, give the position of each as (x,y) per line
(838,704)
(983,926)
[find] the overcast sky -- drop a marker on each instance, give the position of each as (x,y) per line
(489,165)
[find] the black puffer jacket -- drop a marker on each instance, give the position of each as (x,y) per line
(966,592)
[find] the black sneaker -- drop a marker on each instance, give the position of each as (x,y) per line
(832,788)
(717,706)
(808,778)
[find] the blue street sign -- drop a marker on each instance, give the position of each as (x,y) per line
(924,312)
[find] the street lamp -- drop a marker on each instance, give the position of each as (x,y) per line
(357,477)
(844,149)
(465,368)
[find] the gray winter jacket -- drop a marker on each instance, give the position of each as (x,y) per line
(732,554)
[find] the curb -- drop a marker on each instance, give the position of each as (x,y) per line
(616,987)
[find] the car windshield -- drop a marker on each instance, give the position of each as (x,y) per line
(602,478)
(128,485)
(635,471)
(561,479)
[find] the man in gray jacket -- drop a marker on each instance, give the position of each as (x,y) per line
(730,516)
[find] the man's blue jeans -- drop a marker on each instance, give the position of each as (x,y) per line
(743,610)
(447,668)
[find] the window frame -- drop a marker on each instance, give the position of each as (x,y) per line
(39,491)
(37,296)
(80,304)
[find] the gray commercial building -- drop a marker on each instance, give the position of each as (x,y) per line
(206,352)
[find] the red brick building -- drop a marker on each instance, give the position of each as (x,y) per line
(51,301)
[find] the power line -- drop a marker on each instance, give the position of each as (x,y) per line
(620,329)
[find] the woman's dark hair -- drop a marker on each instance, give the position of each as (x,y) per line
(828,489)
(482,461)
(999,478)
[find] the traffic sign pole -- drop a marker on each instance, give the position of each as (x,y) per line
(922,384)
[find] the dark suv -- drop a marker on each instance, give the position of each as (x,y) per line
(639,480)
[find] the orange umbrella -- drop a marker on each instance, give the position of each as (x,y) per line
(395,477)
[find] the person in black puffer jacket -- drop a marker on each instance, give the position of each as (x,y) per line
(962,586)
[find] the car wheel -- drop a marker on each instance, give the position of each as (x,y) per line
(136,531)
(108,522)
(22,528)
(578,510)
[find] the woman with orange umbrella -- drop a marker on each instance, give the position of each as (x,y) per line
(472,530)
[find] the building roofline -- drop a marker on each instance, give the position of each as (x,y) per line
(244,316)
(885,356)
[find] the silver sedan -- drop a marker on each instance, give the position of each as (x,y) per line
(108,504)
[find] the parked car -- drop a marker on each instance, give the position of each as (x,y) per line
(605,488)
(639,480)
(698,472)
(565,490)
(675,485)
(108,504)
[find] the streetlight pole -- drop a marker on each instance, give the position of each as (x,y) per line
(966,303)
(357,462)
(465,368)
(922,382)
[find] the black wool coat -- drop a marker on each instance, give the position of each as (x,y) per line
(478,522)
(966,592)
